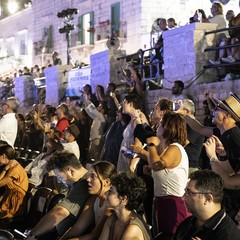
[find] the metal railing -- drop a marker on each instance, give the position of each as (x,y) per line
(216,48)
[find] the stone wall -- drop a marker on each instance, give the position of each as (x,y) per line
(184,55)
(221,90)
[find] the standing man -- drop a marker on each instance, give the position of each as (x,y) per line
(162,23)
(8,123)
(56,222)
(226,115)
(194,147)
(203,197)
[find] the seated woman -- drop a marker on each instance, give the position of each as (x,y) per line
(125,196)
(95,211)
(14,180)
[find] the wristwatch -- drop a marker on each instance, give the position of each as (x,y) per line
(213,159)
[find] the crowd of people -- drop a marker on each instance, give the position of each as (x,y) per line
(124,174)
(223,38)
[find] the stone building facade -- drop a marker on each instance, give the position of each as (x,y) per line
(30,36)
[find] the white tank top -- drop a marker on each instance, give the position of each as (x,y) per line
(172,181)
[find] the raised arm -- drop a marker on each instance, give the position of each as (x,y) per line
(231,180)
(170,158)
(198,127)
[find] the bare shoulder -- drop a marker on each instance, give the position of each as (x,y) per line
(133,231)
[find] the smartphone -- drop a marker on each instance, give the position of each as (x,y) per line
(128,152)
(174,106)
(20,233)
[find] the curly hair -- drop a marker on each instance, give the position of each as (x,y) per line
(61,160)
(132,187)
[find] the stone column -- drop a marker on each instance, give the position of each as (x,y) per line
(184,55)
(56,83)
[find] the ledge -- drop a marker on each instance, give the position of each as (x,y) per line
(82,47)
(189,27)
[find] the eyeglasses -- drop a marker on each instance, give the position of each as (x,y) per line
(188,192)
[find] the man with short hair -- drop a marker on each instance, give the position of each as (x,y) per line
(226,114)
(194,147)
(177,89)
(55,223)
(8,123)
(203,197)
(70,144)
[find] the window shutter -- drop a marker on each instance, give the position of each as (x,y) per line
(115,19)
(92,27)
(80,30)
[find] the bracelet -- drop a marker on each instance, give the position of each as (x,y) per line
(223,158)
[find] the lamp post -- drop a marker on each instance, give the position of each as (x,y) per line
(67,16)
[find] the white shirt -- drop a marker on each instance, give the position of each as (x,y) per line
(172,181)
(8,128)
(72,147)
(179,97)
(221,23)
(98,124)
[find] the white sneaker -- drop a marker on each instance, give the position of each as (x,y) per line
(214,62)
(228,59)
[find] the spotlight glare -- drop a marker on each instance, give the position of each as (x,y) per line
(12,6)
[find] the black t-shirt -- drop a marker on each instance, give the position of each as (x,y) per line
(194,148)
(231,142)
